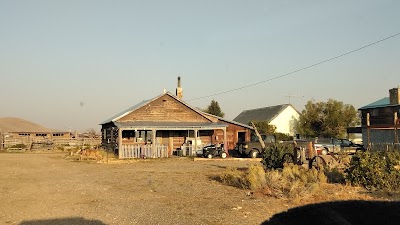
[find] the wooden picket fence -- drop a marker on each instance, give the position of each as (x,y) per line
(143,151)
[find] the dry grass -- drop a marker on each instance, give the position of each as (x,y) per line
(292,182)
(233,177)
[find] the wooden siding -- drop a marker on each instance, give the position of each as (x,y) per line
(380,117)
(165,108)
(231,135)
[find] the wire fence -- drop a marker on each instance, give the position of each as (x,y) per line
(383,146)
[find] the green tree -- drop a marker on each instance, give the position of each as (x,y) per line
(326,119)
(214,109)
(264,127)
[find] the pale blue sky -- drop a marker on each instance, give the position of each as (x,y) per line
(72,64)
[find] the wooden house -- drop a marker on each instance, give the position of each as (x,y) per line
(165,124)
(380,119)
(283,117)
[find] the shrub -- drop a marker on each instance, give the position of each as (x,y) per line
(272,157)
(375,170)
(294,181)
(233,177)
(253,178)
(283,137)
(335,176)
(18,146)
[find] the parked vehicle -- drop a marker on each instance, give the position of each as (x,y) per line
(253,148)
(212,151)
(335,145)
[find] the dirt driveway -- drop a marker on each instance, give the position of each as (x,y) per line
(42,189)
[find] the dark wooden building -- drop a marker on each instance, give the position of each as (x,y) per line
(162,125)
(380,120)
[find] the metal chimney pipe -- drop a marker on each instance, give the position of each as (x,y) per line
(179,93)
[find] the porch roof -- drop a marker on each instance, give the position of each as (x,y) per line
(169,125)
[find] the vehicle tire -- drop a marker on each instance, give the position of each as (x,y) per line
(360,150)
(288,158)
(223,155)
(317,162)
(253,154)
(209,155)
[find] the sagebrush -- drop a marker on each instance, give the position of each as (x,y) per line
(375,170)
(293,181)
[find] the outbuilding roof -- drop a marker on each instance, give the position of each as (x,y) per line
(260,114)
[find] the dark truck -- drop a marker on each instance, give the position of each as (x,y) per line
(253,148)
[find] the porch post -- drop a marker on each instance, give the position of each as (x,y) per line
(195,141)
(119,142)
(153,141)
(225,142)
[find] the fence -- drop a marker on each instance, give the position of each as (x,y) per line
(30,142)
(141,151)
(384,146)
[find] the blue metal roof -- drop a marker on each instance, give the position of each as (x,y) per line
(378,104)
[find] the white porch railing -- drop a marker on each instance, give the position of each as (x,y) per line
(143,151)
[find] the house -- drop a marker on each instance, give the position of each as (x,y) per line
(283,117)
(162,125)
(380,119)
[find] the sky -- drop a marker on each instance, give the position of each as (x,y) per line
(72,64)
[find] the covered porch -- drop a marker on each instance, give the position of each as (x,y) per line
(150,139)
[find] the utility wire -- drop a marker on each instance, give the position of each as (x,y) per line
(298,70)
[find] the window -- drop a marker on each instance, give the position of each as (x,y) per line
(128,134)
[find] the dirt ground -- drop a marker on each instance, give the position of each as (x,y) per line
(45,188)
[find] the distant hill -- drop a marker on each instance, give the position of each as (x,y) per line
(11,124)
